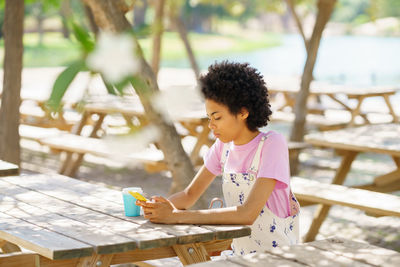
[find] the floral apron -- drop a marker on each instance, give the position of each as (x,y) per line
(268,230)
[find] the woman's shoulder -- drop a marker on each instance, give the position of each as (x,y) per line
(275,138)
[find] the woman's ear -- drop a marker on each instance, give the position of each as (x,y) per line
(244,113)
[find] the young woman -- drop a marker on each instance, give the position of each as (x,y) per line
(254,165)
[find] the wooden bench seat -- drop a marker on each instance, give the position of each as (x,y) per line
(373,203)
(320,121)
(36,133)
(7,168)
(152,158)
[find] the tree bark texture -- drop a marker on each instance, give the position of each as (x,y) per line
(139,13)
(10,100)
(296,18)
(107,17)
(158,29)
(65,13)
(180,27)
(325,8)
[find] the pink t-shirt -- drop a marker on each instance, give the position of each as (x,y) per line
(274,163)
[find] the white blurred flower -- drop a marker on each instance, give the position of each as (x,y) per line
(138,142)
(178,101)
(114,57)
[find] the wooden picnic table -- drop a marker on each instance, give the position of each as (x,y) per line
(64,221)
(193,123)
(331,252)
(349,142)
(7,168)
(290,86)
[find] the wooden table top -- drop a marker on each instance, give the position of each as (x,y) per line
(132,106)
(329,252)
(63,218)
(292,85)
(7,168)
(378,138)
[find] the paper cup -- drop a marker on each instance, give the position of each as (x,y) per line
(131,209)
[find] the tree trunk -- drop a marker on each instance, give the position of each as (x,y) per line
(158,29)
(139,13)
(10,101)
(92,23)
(180,27)
(178,162)
(40,19)
(325,8)
(298,22)
(65,13)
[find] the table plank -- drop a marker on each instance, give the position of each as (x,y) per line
(144,237)
(312,256)
(48,243)
(76,193)
(330,194)
(381,138)
(101,240)
(7,168)
(363,252)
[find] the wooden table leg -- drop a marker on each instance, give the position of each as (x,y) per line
(96,260)
(77,129)
(73,167)
(356,111)
(396,161)
(191,253)
(202,138)
(391,110)
(322,210)
(8,247)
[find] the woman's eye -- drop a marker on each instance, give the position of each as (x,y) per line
(217,118)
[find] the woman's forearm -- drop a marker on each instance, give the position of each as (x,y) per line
(228,215)
(181,200)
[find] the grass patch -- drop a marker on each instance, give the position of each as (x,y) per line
(58,51)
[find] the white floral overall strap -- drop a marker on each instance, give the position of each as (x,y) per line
(224,155)
(257,157)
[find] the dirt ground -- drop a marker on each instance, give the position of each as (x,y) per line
(316,164)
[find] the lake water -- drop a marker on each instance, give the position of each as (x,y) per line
(357,60)
(354,60)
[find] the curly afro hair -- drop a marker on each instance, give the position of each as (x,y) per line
(237,86)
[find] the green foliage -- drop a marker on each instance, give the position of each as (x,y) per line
(347,11)
(84,38)
(62,83)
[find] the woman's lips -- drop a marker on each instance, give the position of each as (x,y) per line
(216,135)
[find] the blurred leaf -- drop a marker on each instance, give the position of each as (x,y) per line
(62,83)
(83,37)
(139,85)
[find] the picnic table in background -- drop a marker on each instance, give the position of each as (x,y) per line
(340,94)
(64,221)
(332,252)
(7,168)
(192,123)
(349,142)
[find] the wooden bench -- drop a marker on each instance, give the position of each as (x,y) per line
(36,116)
(35,133)
(7,168)
(329,252)
(319,121)
(152,158)
(375,203)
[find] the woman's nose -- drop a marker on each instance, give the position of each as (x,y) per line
(211,125)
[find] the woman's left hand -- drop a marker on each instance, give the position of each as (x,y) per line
(159,210)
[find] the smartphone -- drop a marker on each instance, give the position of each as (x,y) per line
(138,196)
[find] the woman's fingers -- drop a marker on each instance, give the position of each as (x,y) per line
(159,199)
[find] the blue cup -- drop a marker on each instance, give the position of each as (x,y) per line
(131,209)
